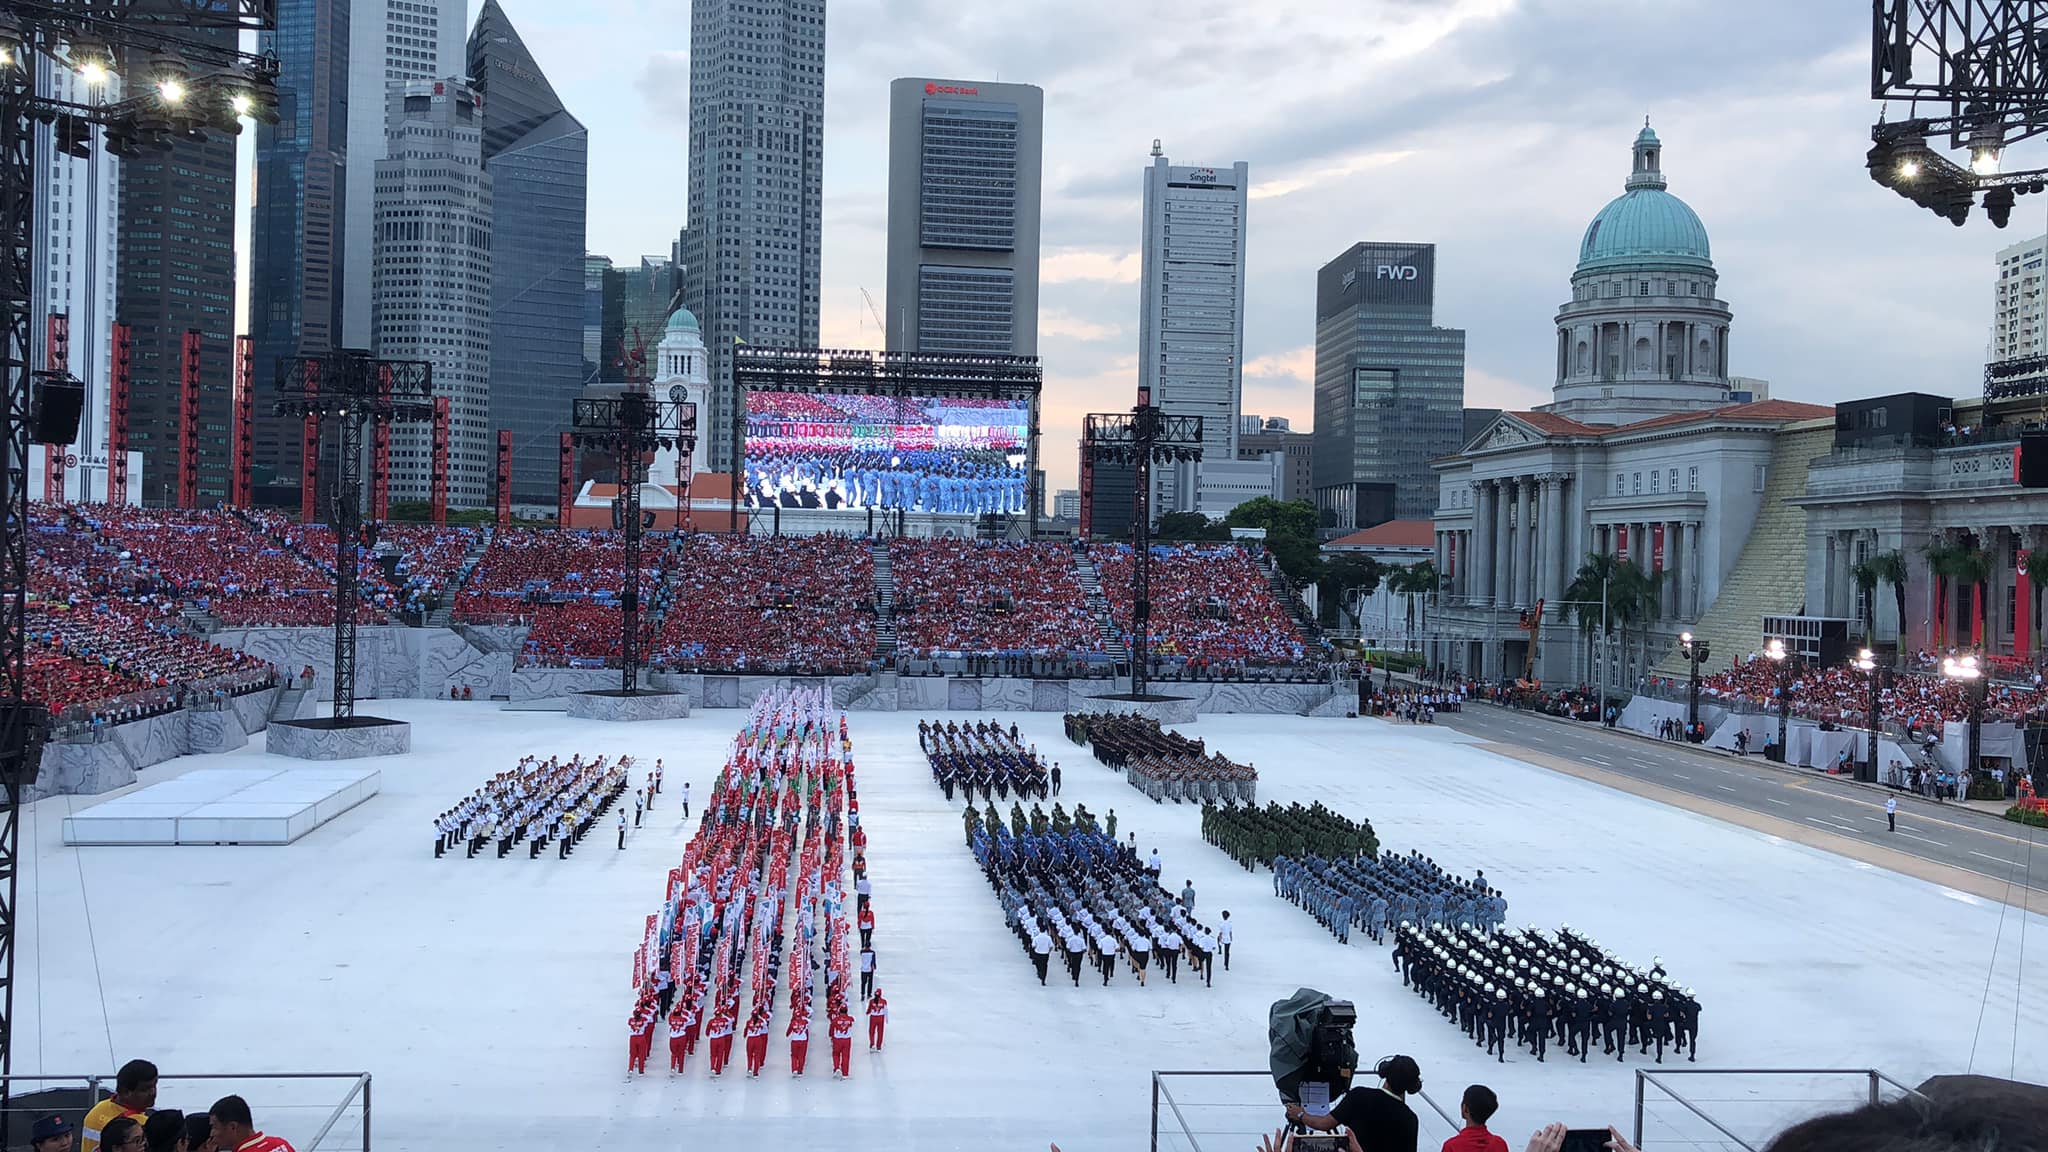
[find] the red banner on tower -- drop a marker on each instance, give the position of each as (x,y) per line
(309,471)
(1621,542)
(565,482)
(1451,555)
(504,477)
(242,483)
(56,358)
(117,415)
(380,450)
(1656,547)
(437,482)
(1087,494)
(188,418)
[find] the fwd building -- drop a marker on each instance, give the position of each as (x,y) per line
(1390,386)
(964,173)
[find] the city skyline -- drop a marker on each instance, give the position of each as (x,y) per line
(1428,124)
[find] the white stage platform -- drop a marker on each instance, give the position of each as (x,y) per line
(226,806)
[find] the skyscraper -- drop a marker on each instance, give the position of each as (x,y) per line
(964,174)
(177,271)
(1390,386)
(73,259)
(757,148)
(1191,301)
(2019,320)
(432,280)
(297,228)
(597,271)
(390,42)
(537,157)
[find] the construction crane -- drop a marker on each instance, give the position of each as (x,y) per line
(877,314)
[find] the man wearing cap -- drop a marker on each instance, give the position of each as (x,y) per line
(234,1130)
(51,1134)
(878,1020)
(134,1095)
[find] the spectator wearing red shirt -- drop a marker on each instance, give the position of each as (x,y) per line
(234,1130)
(1477,1108)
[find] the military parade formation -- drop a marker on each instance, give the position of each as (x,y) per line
(1163,765)
(1254,836)
(983,758)
(1535,990)
(540,802)
(1377,893)
(1070,893)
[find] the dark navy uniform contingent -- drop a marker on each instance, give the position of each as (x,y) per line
(982,758)
(1377,893)
(1539,990)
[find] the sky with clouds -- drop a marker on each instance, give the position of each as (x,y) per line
(1492,128)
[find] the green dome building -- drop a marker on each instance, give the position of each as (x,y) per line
(1644,334)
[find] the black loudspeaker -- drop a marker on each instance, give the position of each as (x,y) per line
(53,418)
(2030,460)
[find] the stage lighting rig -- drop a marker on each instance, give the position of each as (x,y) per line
(1972,75)
(351,388)
(1138,439)
(630,426)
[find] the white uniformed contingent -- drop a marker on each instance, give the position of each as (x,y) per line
(537,801)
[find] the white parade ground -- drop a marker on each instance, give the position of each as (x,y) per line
(489,997)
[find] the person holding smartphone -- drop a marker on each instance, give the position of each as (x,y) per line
(1379,1118)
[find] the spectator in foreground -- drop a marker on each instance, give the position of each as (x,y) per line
(1477,1107)
(2002,1117)
(51,1134)
(234,1130)
(198,1133)
(1379,1117)
(165,1131)
(123,1134)
(134,1095)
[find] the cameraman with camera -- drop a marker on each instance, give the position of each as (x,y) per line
(1378,1118)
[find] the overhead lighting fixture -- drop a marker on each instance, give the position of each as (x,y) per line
(1984,161)
(242,103)
(1908,169)
(172,91)
(94,71)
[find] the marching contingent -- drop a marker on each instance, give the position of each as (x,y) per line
(1376,894)
(539,801)
(1067,884)
(762,888)
(983,758)
(1535,989)
(1163,765)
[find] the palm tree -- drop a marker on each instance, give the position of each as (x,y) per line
(1866,579)
(1636,597)
(1890,567)
(1421,581)
(1942,555)
(1591,589)
(1973,571)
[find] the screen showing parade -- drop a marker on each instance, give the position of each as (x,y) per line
(917,454)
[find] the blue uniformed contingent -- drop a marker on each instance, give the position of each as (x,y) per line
(1376,893)
(1533,989)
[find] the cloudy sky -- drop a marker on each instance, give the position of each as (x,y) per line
(1493,128)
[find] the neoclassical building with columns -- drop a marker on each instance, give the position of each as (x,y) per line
(1645,452)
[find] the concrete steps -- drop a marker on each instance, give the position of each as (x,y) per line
(1770,577)
(1098,606)
(885,603)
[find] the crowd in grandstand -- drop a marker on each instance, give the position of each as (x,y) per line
(1921,703)
(769,604)
(956,598)
(1213,609)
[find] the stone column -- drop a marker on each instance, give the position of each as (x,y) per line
(1695,575)
(1502,553)
(1479,585)
(1525,543)
(1553,537)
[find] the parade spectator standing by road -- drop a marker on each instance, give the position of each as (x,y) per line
(234,1130)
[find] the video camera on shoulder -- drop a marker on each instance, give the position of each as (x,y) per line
(1312,1051)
